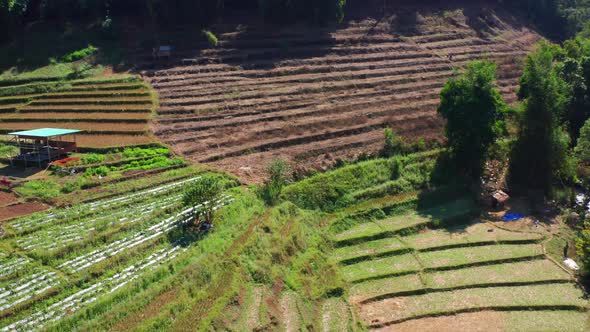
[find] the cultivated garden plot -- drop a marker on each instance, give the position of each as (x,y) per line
(11,265)
(84,296)
(128,201)
(62,235)
(26,288)
(382,287)
(67,241)
(129,241)
(335,315)
(314,98)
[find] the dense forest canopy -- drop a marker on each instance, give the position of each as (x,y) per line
(561,16)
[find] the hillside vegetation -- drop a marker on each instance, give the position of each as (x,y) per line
(323,166)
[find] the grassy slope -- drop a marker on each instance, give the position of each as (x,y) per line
(269,268)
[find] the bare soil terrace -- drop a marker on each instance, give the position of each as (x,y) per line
(314,96)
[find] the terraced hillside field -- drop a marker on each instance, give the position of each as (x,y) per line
(428,270)
(111,112)
(57,263)
(315,95)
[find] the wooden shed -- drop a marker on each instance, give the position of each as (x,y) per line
(44,145)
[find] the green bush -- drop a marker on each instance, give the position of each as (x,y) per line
(34,88)
(279,174)
(329,191)
(97,171)
(80,54)
(394,144)
(8,150)
(211,38)
(205,193)
(92,158)
(396,168)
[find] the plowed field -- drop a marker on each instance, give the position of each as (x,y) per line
(314,96)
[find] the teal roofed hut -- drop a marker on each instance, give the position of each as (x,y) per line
(42,146)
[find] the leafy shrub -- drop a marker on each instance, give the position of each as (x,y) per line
(331,190)
(34,88)
(80,70)
(396,168)
(279,174)
(69,187)
(8,150)
(80,54)
(43,189)
(97,171)
(206,192)
(92,158)
(211,38)
(394,144)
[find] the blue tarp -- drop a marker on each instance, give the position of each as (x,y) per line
(512,216)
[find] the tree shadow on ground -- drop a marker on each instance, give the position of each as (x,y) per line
(44,43)
(246,40)
(450,201)
(408,18)
(185,235)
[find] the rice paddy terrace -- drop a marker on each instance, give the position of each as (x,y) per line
(111,112)
(428,270)
(314,96)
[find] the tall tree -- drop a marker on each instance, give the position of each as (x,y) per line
(474,110)
(578,106)
(540,156)
(582,149)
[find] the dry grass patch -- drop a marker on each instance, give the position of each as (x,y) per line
(77,116)
(87,108)
(450,258)
(370,248)
(409,307)
(471,234)
(537,321)
(90,127)
(379,268)
(335,316)
(370,289)
(530,271)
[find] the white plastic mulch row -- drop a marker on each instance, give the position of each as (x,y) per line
(26,288)
(71,213)
(141,236)
(74,302)
(60,237)
(11,266)
(122,199)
